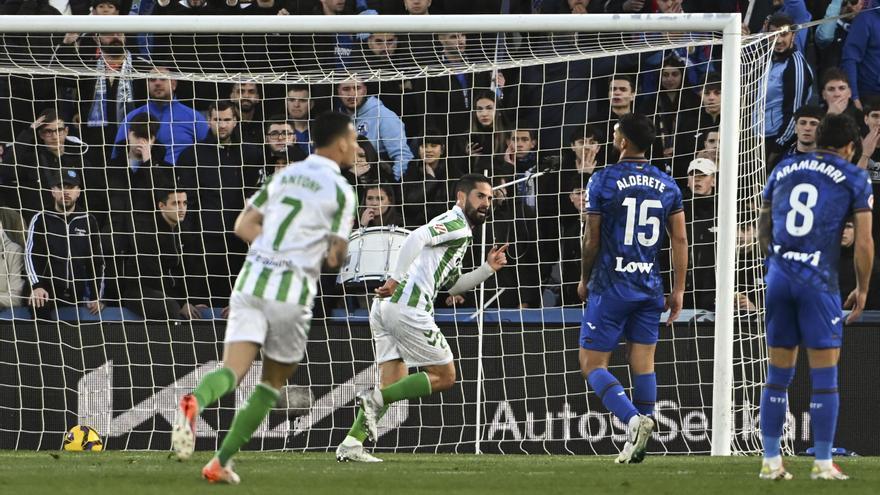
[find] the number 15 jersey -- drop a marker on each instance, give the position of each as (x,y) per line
(811,196)
(635,200)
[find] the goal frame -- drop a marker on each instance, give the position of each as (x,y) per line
(728,24)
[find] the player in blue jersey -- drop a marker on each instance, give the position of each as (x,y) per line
(807,200)
(629,205)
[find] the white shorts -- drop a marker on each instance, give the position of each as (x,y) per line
(406,333)
(282,329)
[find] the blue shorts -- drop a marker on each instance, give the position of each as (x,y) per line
(800,315)
(606,318)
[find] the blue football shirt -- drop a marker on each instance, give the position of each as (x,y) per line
(635,200)
(811,196)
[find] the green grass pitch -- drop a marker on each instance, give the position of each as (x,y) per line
(264,473)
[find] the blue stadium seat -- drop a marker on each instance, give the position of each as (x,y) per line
(16,313)
(109,313)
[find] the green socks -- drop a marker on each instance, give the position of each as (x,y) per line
(409,387)
(358,429)
(246,421)
(213,386)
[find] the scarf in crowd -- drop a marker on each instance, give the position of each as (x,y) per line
(98,112)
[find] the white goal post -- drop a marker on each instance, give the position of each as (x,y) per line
(729,25)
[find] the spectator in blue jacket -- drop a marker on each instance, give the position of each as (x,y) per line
(789,87)
(797,10)
(180,126)
(861,56)
(830,36)
(372,119)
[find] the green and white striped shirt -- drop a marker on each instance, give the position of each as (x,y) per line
(302,206)
(439,263)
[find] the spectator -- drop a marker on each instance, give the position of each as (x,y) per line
(489,131)
(570,244)
(417,7)
(167,284)
(429,183)
(12,244)
(299,108)
(368,169)
(700,207)
(380,207)
(871,141)
(797,11)
(281,143)
(709,147)
(106,7)
(372,119)
(671,101)
(861,56)
(325,51)
(39,153)
(179,125)
(694,124)
(63,254)
(846,271)
(621,95)
(447,106)
(789,84)
(248,97)
(831,36)
(582,157)
(806,122)
(837,95)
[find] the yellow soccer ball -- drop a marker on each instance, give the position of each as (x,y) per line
(82,438)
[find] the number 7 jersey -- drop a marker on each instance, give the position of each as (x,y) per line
(302,206)
(635,200)
(811,196)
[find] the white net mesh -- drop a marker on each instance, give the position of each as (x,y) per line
(226,110)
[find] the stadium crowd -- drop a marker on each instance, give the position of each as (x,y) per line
(122,191)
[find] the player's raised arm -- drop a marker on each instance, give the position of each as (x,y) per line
(864,263)
(678,241)
(249,224)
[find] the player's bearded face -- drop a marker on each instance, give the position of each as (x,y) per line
(476,208)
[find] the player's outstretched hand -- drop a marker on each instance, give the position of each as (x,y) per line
(674,302)
(582,291)
(497,257)
(855,301)
(387,289)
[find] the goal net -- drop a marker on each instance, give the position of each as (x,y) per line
(154,140)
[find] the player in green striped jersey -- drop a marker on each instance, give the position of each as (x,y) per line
(298,221)
(402,316)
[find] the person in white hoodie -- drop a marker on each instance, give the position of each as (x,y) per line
(11,259)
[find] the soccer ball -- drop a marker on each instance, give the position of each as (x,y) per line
(82,438)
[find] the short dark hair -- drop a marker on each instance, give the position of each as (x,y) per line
(532,133)
(328,127)
(583,132)
(242,83)
(275,120)
(836,131)
(434,136)
(833,74)
(624,77)
(814,111)
(870,104)
(468,182)
(161,194)
(779,20)
(222,106)
(713,83)
(144,126)
(637,129)
(673,62)
(299,87)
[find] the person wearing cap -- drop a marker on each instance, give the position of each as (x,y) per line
(63,256)
(700,209)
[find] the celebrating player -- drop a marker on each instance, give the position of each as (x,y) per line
(629,205)
(807,200)
(402,315)
(297,221)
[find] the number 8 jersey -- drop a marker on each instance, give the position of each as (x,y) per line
(810,198)
(302,206)
(634,199)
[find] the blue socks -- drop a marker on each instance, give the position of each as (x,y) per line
(612,395)
(774,405)
(644,393)
(824,403)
